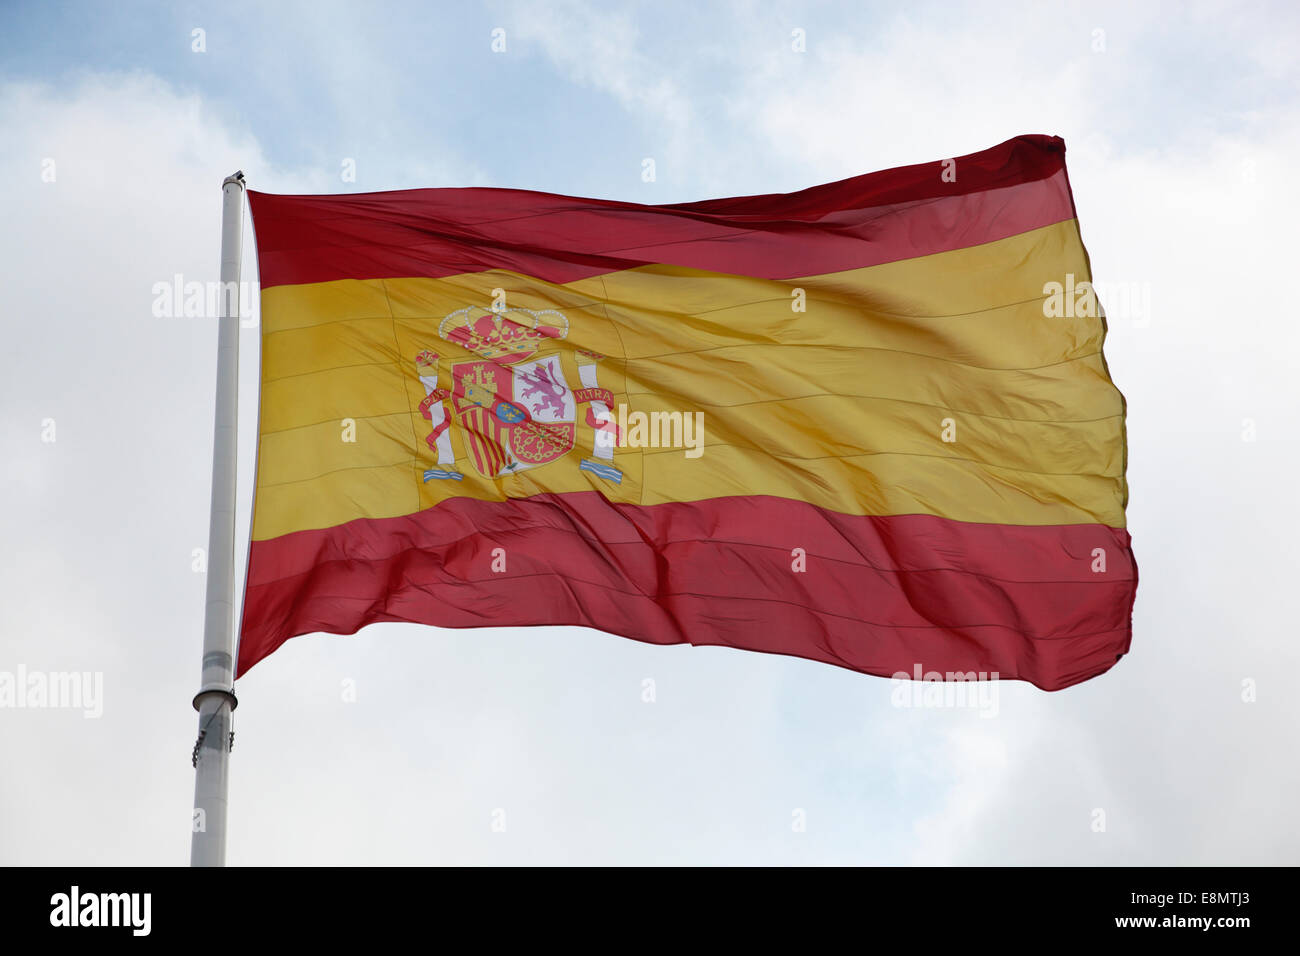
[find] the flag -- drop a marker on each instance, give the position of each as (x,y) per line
(869,423)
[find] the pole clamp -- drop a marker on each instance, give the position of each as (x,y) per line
(226,693)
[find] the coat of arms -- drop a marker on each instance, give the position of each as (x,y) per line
(515,409)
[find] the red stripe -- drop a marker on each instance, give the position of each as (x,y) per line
(880,595)
(879,217)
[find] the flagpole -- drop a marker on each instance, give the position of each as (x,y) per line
(215,700)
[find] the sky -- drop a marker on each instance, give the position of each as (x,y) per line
(416,745)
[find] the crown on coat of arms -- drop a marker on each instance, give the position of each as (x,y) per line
(493,335)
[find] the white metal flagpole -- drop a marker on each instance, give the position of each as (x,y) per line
(215,700)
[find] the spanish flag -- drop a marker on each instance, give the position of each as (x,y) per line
(869,423)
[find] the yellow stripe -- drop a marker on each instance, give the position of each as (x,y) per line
(843,404)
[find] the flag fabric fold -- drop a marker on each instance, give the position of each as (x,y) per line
(869,423)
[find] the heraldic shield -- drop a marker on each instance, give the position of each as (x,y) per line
(514,417)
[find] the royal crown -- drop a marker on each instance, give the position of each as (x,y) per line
(499,337)
(426,363)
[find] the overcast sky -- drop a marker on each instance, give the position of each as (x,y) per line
(1182,124)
